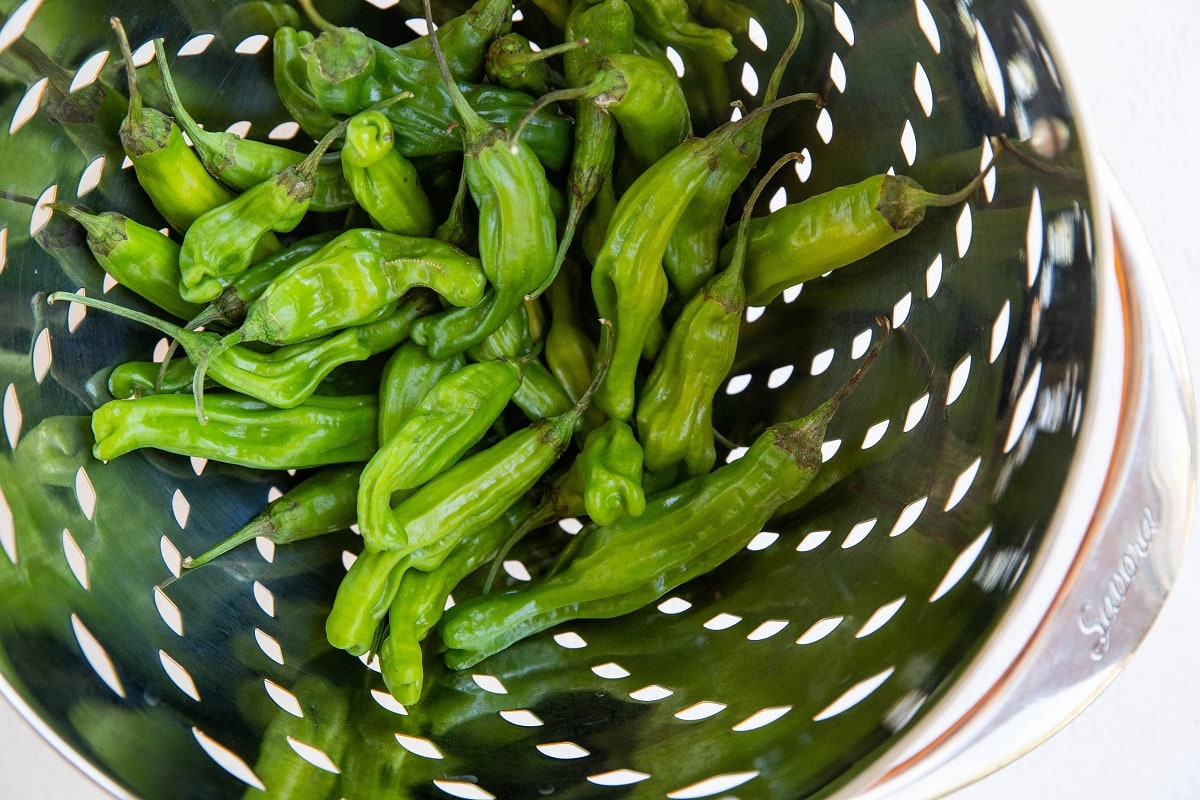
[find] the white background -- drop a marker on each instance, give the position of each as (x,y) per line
(1136,72)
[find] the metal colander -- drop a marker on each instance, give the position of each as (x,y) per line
(966,481)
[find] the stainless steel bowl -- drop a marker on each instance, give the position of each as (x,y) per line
(1003,516)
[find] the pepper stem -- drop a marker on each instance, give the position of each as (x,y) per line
(793,44)
(741,241)
(202,363)
(605,82)
(954,198)
(475,127)
(259,526)
(135,95)
(534,56)
(537,517)
(186,121)
(315,17)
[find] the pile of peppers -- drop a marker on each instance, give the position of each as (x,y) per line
(532,299)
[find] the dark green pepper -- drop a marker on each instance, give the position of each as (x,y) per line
(321,504)
(683,533)
(540,394)
(291,82)
(511,61)
(240,430)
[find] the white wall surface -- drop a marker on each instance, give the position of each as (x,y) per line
(1136,71)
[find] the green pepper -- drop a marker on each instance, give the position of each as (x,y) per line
(464,38)
(477,490)
(628,281)
(607,27)
(540,394)
(353,280)
(321,504)
(517,245)
(684,532)
(421,600)
(240,430)
(674,413)
(610,466)
(244,164)
(384,183)
(693,254)
(291,82)
(287,376)
(568,351)
(804,240)
(137,378)
(451,418)
(511,61)
(410,372)
(140,258)
(219,245)
(167,169)
(670,23)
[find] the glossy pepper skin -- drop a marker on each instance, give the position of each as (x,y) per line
(607,27)
(610,466)
(243,164)
(169,171)
(353,279)
(804,240)
(219,245)
(140,258)
(410,372)
(284,377)
(539,394)
(452,417)
(321,504)
(384,183)
(693,254)
(684,532)
(674,415)
(629,284)
(322,431)
(421,600)
(646,99)
(291,82)
(517,240)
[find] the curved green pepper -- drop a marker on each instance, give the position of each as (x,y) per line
(410,372)
(385,183)
(683,533)
(291,82)
(321,431)
(322,503)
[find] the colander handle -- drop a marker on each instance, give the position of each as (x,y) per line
(1123,572)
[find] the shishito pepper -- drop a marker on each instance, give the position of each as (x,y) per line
(684,532)
(219,245)
(385,183)
(244,164)
(321,504)
(421,600)
(450,419)
(610,467)
(478,489)
(321,431)
(410,372)
(628,281)
(540,394)
(693,254)
(287,376)
(291,82)
(804,240)
(353,280)
(674,413)
(517,243)
(140,258)
(168,171)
